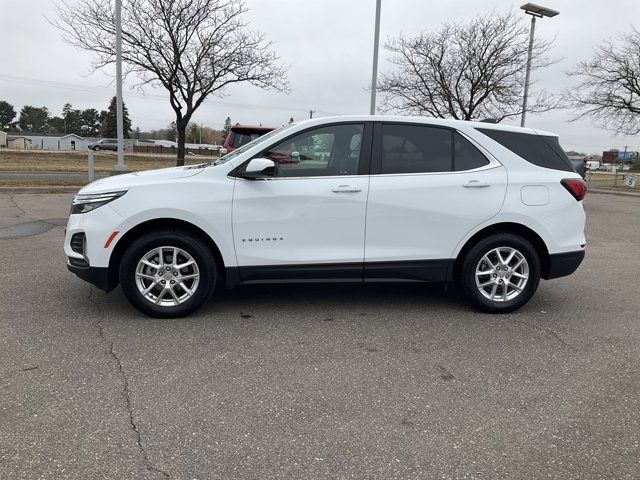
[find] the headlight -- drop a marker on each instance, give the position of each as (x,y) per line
(90,201)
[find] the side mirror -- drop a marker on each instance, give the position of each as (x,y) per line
(259,168)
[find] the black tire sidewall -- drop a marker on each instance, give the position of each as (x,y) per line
(472,258)
(193,246)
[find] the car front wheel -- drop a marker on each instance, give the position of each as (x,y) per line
(168,274)
(500,273)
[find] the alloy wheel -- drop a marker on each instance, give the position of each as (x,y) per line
(167,276)
(502,274)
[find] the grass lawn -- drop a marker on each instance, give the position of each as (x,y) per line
(76,162)
(42,183)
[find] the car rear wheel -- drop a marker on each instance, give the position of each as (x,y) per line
(168,274)
(500,273)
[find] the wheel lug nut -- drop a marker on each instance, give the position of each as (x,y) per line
(163,282)
(175,274)
(494,275)
(167,268)
(172,282)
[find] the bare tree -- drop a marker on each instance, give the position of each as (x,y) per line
(193,48)
(609,89)
(465,71)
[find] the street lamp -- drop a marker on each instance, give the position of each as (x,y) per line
(374,74)
(120,166)
(536,11)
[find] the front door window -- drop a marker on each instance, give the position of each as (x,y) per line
(326,151)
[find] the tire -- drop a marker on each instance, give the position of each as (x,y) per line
(185,289)
(487,291)
(96,149)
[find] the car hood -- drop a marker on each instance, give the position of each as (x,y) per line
(120,182)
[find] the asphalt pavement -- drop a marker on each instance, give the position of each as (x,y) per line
(382,381)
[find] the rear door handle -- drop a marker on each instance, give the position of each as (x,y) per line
(476,184)
(346,189)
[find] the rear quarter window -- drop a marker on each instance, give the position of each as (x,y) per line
(541,150)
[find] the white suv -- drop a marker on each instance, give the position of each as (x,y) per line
(358,198)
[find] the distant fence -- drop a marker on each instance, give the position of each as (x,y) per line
(621,180)
(207,152)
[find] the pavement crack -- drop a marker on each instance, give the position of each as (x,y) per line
(18,207)
(547,331)
(126,391)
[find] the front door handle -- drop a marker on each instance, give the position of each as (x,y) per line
(346,189)
(476,184)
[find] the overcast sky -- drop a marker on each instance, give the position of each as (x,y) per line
(326,43)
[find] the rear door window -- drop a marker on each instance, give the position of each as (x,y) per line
(415,149)
(467,156)
(406,148)
(543,151)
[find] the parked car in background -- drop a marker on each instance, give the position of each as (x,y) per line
(492,208)
(104,144)
(593,165)
(240,135)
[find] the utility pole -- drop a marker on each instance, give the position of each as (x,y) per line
(311,112)
(200,133)
(120,166)
(374,73)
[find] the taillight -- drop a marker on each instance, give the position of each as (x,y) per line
(576,187)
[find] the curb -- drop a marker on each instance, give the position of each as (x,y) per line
(621,193)
(41,190)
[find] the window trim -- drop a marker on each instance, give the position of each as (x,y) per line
(364,165)
(376,154)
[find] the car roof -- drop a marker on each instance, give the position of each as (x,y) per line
(252,127)
(445,122)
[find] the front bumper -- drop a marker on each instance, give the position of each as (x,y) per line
(563,264)
(97,276)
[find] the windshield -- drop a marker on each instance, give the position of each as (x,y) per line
(251,144)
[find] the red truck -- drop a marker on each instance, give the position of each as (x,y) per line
(240,135)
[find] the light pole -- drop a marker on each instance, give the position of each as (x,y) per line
(374,74)
(120,166)
(535,11)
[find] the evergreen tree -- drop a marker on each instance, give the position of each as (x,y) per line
(89,124)
(7,114)
(226,128)
(108,128)
(69,117)
(56,125)
(33,119)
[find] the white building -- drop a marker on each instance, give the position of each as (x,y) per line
(19,142)
(42,141)
(3,139)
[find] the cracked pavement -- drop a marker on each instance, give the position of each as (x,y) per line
(319,381)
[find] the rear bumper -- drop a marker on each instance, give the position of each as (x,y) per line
(97,276)
(563,264)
